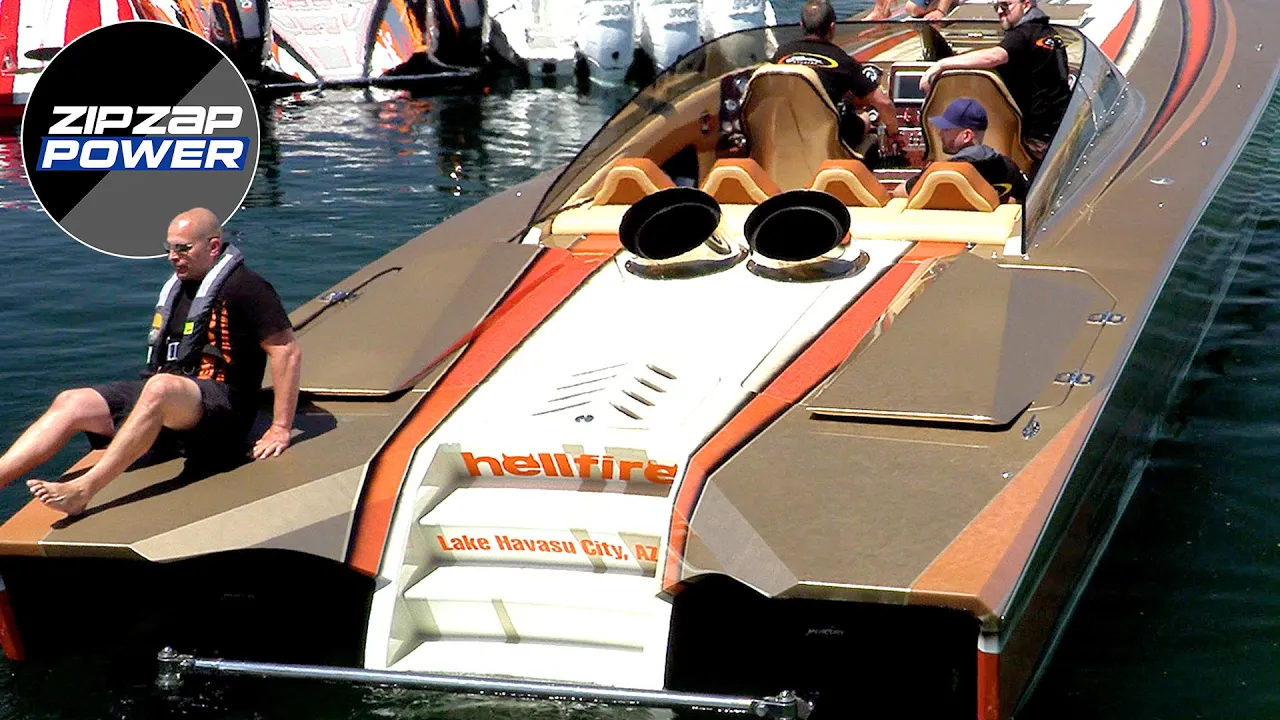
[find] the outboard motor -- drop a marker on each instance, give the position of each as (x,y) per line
(455,30)
(798,235)
(605,40)
(675,233)
(241,29)
(667,30)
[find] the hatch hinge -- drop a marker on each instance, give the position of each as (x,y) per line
(1105,318)
(1074,378)
(1031,429)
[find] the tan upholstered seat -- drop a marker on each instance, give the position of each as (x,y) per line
(953,186)
(630,179)
(851,182)
(739,182)
(791,123)
(1004,119)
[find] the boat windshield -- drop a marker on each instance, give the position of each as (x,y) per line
(689,92)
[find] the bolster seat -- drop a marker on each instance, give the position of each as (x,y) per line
(1004,119)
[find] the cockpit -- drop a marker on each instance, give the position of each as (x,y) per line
(726,109)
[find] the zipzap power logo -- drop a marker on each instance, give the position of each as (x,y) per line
(130,125)
(183,142)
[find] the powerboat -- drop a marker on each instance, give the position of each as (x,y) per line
(667,29)
(707,413)
(608,42)
(359,43)
(591,40)
(291,45)
(33,31)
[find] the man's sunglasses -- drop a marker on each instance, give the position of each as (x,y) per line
(180,248)
(1004,5)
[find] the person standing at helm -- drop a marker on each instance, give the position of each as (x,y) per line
(1032,61)
(841,75)
(216,327)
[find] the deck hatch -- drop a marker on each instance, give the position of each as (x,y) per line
(980,344)
(405,320)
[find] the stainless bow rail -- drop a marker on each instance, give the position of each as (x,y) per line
(785,705)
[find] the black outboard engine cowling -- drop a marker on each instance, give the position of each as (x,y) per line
(240,29)
(455,30)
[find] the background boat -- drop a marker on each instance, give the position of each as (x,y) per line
(33,31)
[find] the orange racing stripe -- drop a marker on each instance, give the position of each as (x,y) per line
(988,686)
(1210,92)
(1197,39)
(552,278)
(1120,33)
(869,52)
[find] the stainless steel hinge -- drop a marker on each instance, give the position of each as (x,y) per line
(1105,318)
(1031,429)
(1075,378)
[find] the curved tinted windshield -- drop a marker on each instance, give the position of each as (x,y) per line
(879,43)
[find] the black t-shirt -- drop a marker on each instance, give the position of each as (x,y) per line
(1036,75)
(838,72)
(247,311)
(995,168)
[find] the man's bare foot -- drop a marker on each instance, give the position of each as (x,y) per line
(68,497)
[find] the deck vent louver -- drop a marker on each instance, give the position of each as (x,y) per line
(634,391)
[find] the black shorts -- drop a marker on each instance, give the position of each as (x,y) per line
(221,433)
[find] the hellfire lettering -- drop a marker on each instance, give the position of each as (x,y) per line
(582,466)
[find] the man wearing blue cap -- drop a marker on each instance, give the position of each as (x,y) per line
(962,126)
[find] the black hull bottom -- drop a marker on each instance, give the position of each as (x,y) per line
(263,604)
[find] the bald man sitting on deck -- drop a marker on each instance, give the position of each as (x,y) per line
(216,327)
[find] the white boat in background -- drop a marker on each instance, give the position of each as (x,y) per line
(385,41)
(599,39)
(605,39)
(667,29)
(718,18)
(33,31)
(537,34)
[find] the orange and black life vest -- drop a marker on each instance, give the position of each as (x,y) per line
(195,348)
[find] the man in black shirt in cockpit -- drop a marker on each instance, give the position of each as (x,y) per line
(1031,59)
(841,75)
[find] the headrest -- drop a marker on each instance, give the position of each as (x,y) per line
(773,73)
(1004,119)
(739,182)
(953,186)
(851,182)
(630,179)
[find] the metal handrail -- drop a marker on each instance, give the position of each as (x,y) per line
(783,706)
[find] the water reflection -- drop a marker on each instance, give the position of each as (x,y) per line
(371,142)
